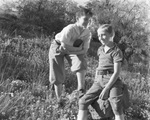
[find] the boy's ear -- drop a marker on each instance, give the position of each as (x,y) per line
(77,18)
(98,26)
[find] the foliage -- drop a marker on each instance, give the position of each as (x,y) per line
(129,19)
(37,17)
(47,17)
(25,91)
(24,56)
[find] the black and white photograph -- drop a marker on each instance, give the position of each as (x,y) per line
(74,59)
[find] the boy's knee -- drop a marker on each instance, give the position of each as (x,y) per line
(79,66)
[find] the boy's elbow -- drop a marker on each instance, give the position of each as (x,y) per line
(116,73)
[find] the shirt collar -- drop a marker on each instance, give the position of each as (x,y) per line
(79,31)
(110,49)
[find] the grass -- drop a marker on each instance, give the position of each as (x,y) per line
(25,93)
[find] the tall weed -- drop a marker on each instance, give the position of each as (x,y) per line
(24,85)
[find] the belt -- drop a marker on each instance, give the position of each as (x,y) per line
(104,72)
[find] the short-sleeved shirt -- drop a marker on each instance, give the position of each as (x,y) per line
(107,60)
(71,33)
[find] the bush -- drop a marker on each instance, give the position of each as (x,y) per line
(24,84)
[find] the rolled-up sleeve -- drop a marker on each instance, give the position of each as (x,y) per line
(118,56)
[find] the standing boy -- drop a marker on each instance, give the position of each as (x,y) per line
(107,84)
(66,46)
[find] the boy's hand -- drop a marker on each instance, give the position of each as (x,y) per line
(62,49)
(104,94)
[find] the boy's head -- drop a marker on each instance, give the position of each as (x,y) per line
(105,33)
(83,16)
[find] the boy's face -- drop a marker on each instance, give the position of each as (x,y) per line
(104,37)
(84,20)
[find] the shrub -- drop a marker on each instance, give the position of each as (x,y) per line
(24,85)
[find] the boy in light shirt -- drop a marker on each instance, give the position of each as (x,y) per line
(65,45)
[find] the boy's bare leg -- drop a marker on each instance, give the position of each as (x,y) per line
(58,91)
(81,79)
(82,115)
(119,117)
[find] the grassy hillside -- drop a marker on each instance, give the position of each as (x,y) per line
(24,86)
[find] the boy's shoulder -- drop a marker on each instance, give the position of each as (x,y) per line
(75,27)
(117,49)
(70,26)
(113,50)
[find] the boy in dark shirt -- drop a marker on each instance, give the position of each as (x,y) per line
(107,84)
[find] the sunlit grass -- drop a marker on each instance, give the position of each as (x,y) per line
(25,93)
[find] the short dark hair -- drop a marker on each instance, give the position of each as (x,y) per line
(83,11)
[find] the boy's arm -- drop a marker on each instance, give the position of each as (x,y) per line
(117,58)
(82,49)
(74,50)
(117,69)
(71,48)
(105,92)
(85,46)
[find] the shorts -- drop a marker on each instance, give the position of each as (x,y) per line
(57,67)
(115,95)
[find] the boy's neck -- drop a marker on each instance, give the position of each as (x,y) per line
(108,46)
(80,26)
